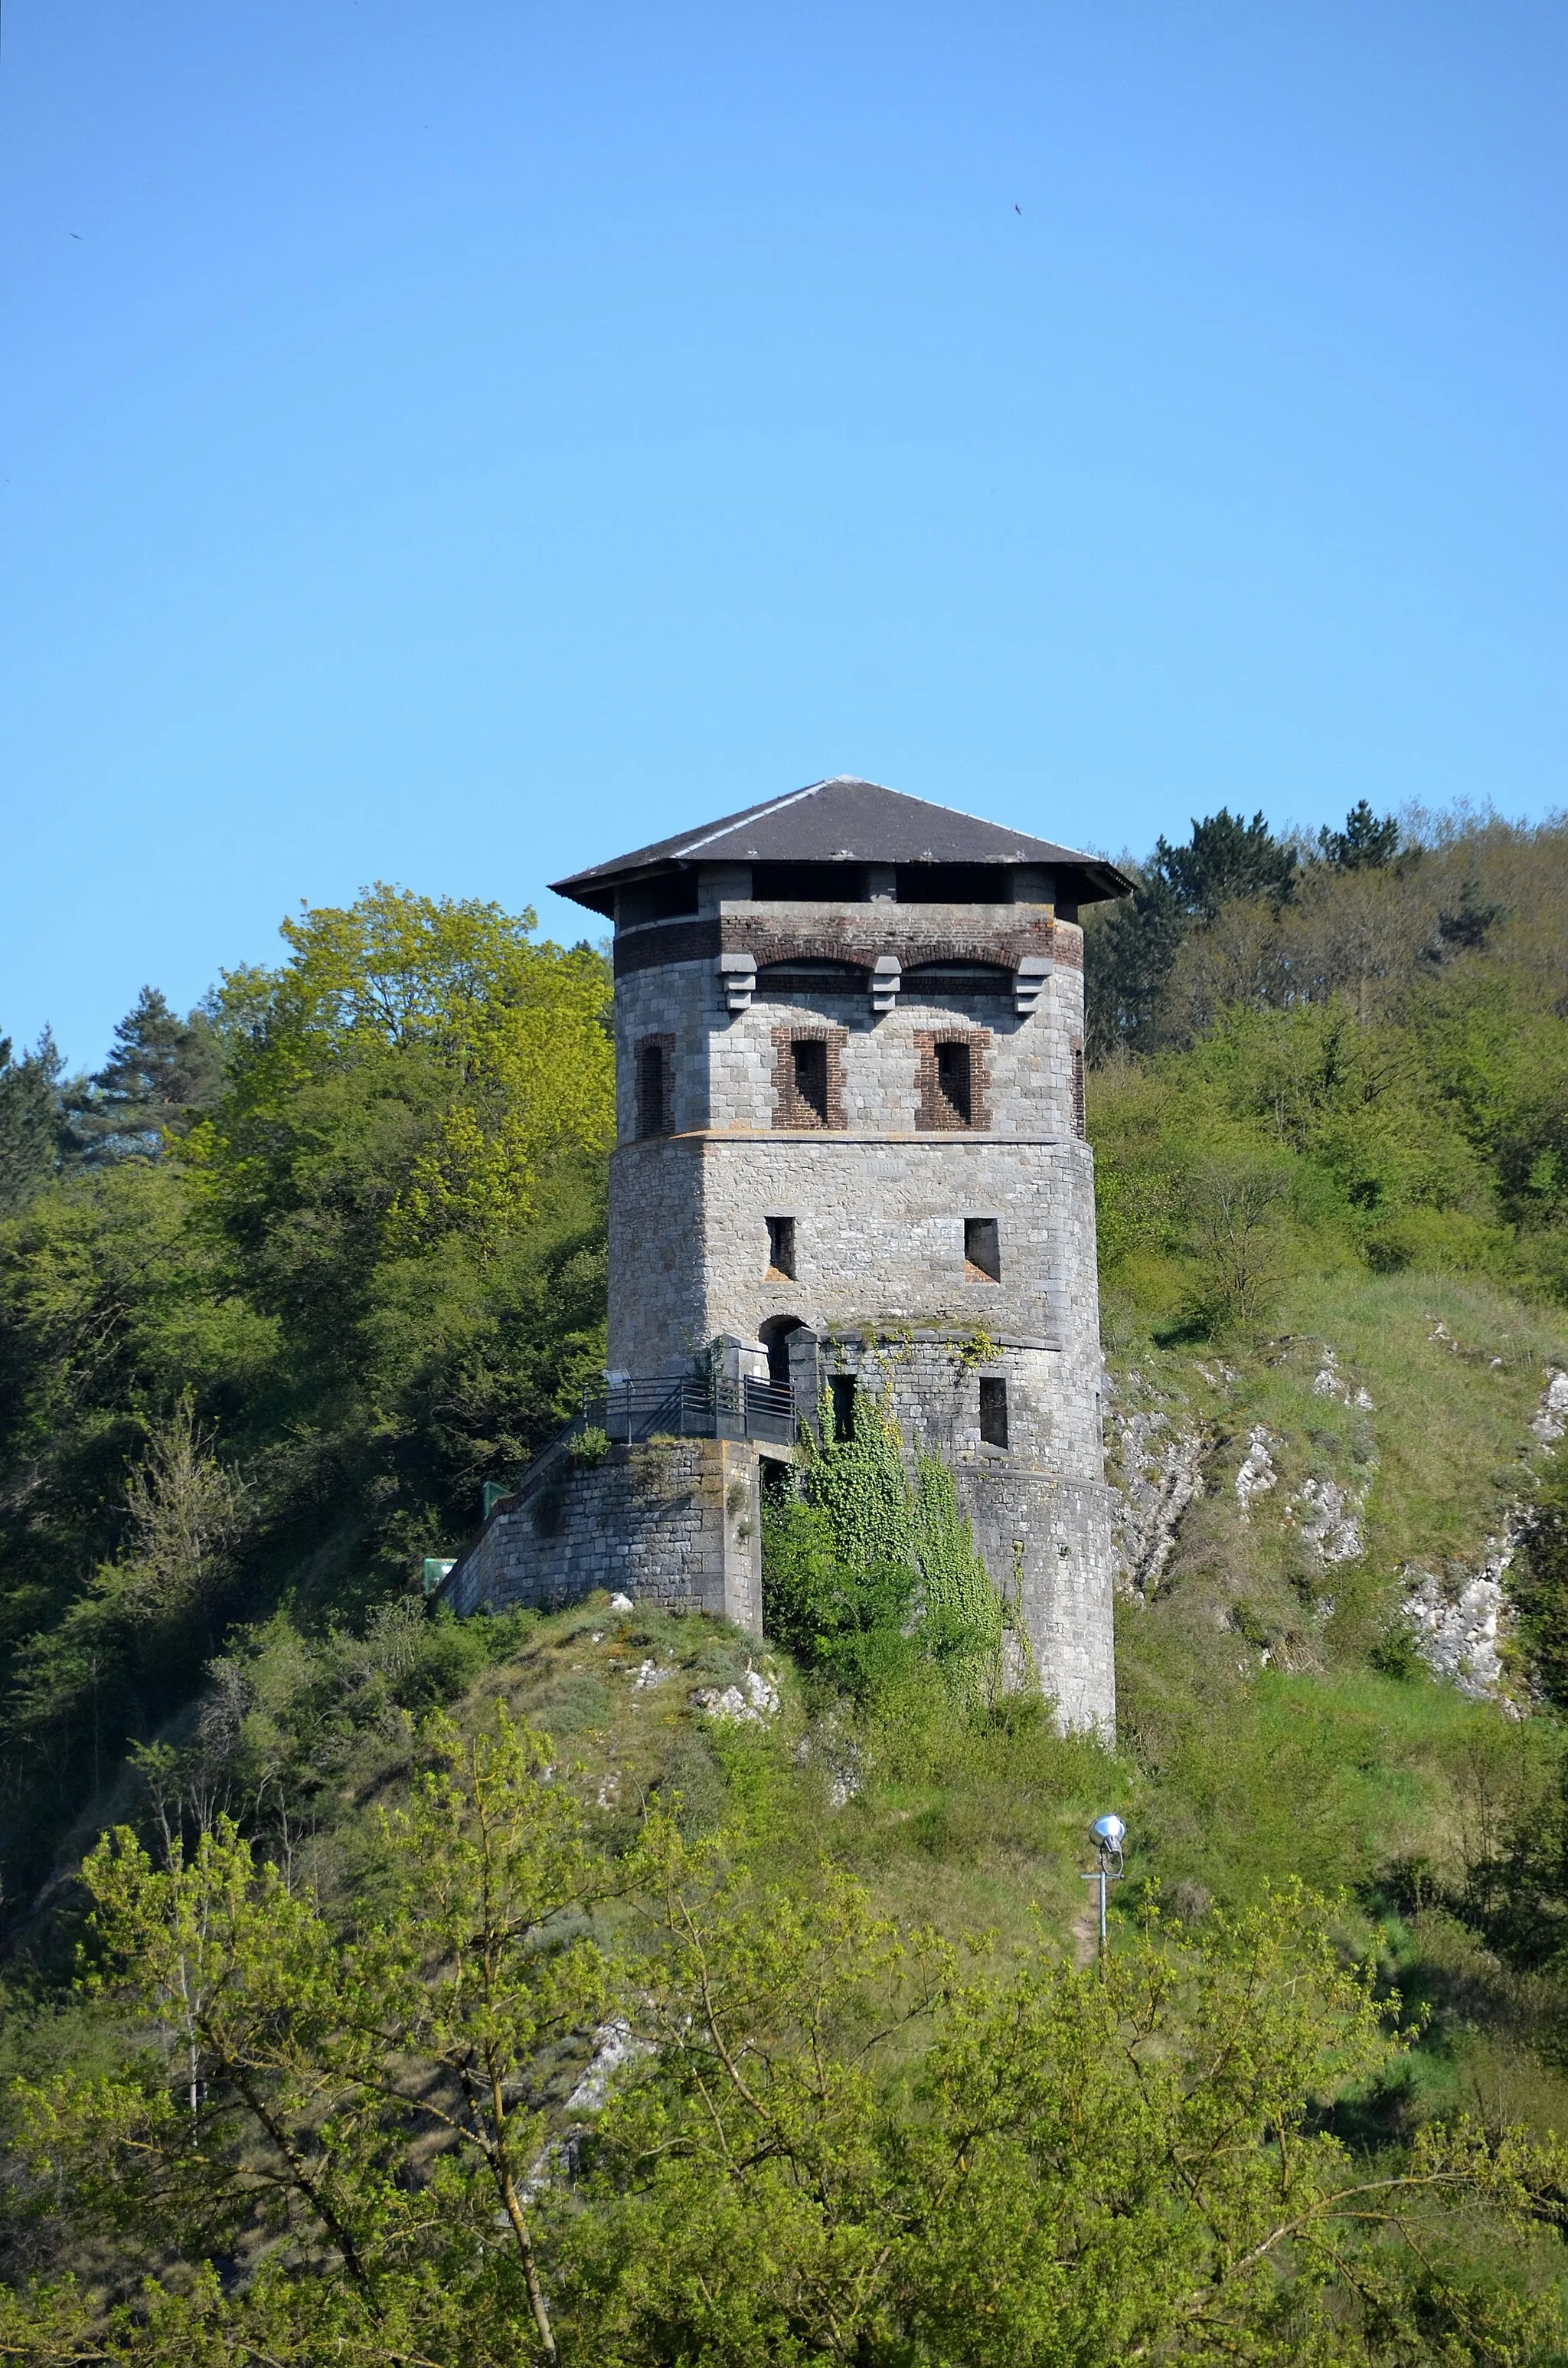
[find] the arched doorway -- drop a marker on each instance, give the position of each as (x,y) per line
(775,1337)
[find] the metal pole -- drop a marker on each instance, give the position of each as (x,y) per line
(1102,1901)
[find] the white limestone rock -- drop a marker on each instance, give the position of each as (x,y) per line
(1161,1473)
(1257,1475)
(1551,1415)
(755,1700)
(1458,1627)
(1329,1519)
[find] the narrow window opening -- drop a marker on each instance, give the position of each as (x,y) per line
(982,1249)
(953,1080)
(810,1079)
(1080,1125)
(775,1335)
(652,1091)
(781,1249)
(994,1412)
(842,1387)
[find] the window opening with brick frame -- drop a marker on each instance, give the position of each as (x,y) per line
(781,1248)
(993,1412)
(953,1080)
(982,1249)
(841,1389)
(1080,1120)
(950,1080)
(809,1055)
(655,1100)
(809,1078)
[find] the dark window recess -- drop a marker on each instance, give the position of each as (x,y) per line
(810,1055)
(993,1413)
(652,1091)
(982,1249)
(775,1335)
(953,883)
(841,1387)
(781,1248)
(1080,1125)
(810,978)
(953,1081)
(935,982)
(664,899)
(808,883)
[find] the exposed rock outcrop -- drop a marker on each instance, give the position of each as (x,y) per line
(1461,1623)
(1161,1471)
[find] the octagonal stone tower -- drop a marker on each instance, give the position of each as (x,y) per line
(850,1053)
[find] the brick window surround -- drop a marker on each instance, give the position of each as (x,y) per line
(800,1101)
(655,1085)
(1080,1121)
(934,1113)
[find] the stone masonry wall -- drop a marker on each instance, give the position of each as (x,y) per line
(671,1521)
(1044,1529)
(879,1243)
(724,1063)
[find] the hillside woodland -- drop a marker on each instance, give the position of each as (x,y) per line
(606,1988)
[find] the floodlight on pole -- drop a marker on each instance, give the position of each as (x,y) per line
(1107,1835)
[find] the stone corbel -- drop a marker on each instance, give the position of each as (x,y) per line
(737,976)
(887,977)
(1028,979)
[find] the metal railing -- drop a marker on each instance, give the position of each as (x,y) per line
(665,1407)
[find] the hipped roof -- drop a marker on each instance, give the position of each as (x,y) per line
(845,821)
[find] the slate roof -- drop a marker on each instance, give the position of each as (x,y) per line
(843,821)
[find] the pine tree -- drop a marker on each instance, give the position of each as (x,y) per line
(1129,952)
(1366,844)
(29,1122)
(1225,858)
(160,1075)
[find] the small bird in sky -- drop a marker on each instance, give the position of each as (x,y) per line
(1017,210)
(75,233)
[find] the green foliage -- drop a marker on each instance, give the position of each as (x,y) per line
(818,2134)
(859,1483)
(1366,843)
(1130,953)
(1287,1143)
(1539,1585)
(867,1566)
(161,1075)
(29,1122)
(285,2072)
(846,1619)
(414,1025)
(376,1265)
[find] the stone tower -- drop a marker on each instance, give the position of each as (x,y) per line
(850,1153)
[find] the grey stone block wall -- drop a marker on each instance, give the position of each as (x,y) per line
(675,1522)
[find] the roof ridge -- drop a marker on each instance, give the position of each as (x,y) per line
(755,814)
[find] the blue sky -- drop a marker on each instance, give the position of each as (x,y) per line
(452,445)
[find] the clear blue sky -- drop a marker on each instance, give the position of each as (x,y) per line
(451,444)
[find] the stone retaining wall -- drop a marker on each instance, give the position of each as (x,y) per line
(672,1522)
